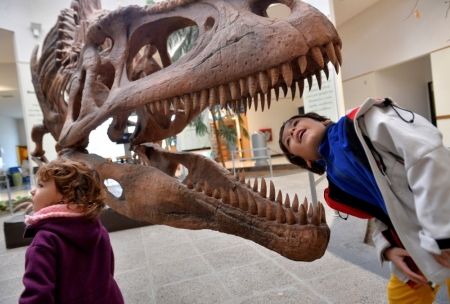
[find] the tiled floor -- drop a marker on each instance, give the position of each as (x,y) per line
(163,265)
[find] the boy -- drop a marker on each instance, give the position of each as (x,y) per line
(385,162)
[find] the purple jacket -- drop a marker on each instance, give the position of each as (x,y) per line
(69,261)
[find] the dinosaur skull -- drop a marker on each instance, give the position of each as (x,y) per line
(104,63)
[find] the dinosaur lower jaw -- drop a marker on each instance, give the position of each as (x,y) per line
(212,198)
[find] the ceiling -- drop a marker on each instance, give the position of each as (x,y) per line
(10,104)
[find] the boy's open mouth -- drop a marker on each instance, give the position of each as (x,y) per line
(300,135)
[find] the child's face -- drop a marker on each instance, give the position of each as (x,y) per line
(45,194)
(302,137)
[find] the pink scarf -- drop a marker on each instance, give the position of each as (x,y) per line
(50,212)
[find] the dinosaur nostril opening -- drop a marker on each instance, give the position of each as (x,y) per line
(209,24)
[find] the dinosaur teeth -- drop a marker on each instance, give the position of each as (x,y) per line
(326,71)
(317,56)
(279,197)
(248,184)
(286,72)
(233,199)
(176,104)
(216,194)
(336,67)
(329,49)
(223,95)
(319,78)
(249,102)
(256,102)
(263,190)
(302,215)
(261,210)
(234,90)
(195,100)
(204,98)
(302,63)
(338,54)
(224,195)
(243,86)
(310,210)
(310,81)
(263,100)
(305,203)
(287,202)
(252,85)
(323,218)
(207,189)
(272,191)
(190,185)
(315,220)
(242,201)
(281,215)
(269,98)
(252,207)
(212,98)
(273,74)
(152,107)
(295,204)
(236,174)
(263,81)
(187,104)
(166,106)
(293,87)
(270,213)
(277,92)
(290,217)
(158,104)
(198,187)
(284,88)
(242,177)
(301,86)
(255,185)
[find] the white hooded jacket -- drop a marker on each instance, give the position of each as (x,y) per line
(415,185)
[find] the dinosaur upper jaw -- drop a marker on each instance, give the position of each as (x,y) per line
(212,198)
(209,74)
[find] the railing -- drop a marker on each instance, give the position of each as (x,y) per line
(268,156)
(4,180)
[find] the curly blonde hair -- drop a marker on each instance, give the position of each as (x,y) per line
(80,185)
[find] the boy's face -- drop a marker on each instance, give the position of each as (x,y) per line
(45,194)
(302,137)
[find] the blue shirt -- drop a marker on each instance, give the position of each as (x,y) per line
(344,170)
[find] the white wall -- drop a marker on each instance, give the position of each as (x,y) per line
(440,62)
(9,139)
(358,89)
(380,36)
(405,83)
(21,132)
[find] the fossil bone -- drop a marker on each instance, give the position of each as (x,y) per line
(96,65)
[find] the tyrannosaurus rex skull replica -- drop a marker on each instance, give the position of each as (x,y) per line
(96,65)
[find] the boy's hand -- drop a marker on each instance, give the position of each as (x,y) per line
(443,259)
(396,255)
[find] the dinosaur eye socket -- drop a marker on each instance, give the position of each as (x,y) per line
(271,9)
(278,11)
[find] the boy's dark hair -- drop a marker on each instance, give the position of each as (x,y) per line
(80,185)
(296,160)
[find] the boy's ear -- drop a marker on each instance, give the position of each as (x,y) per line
(326,122)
